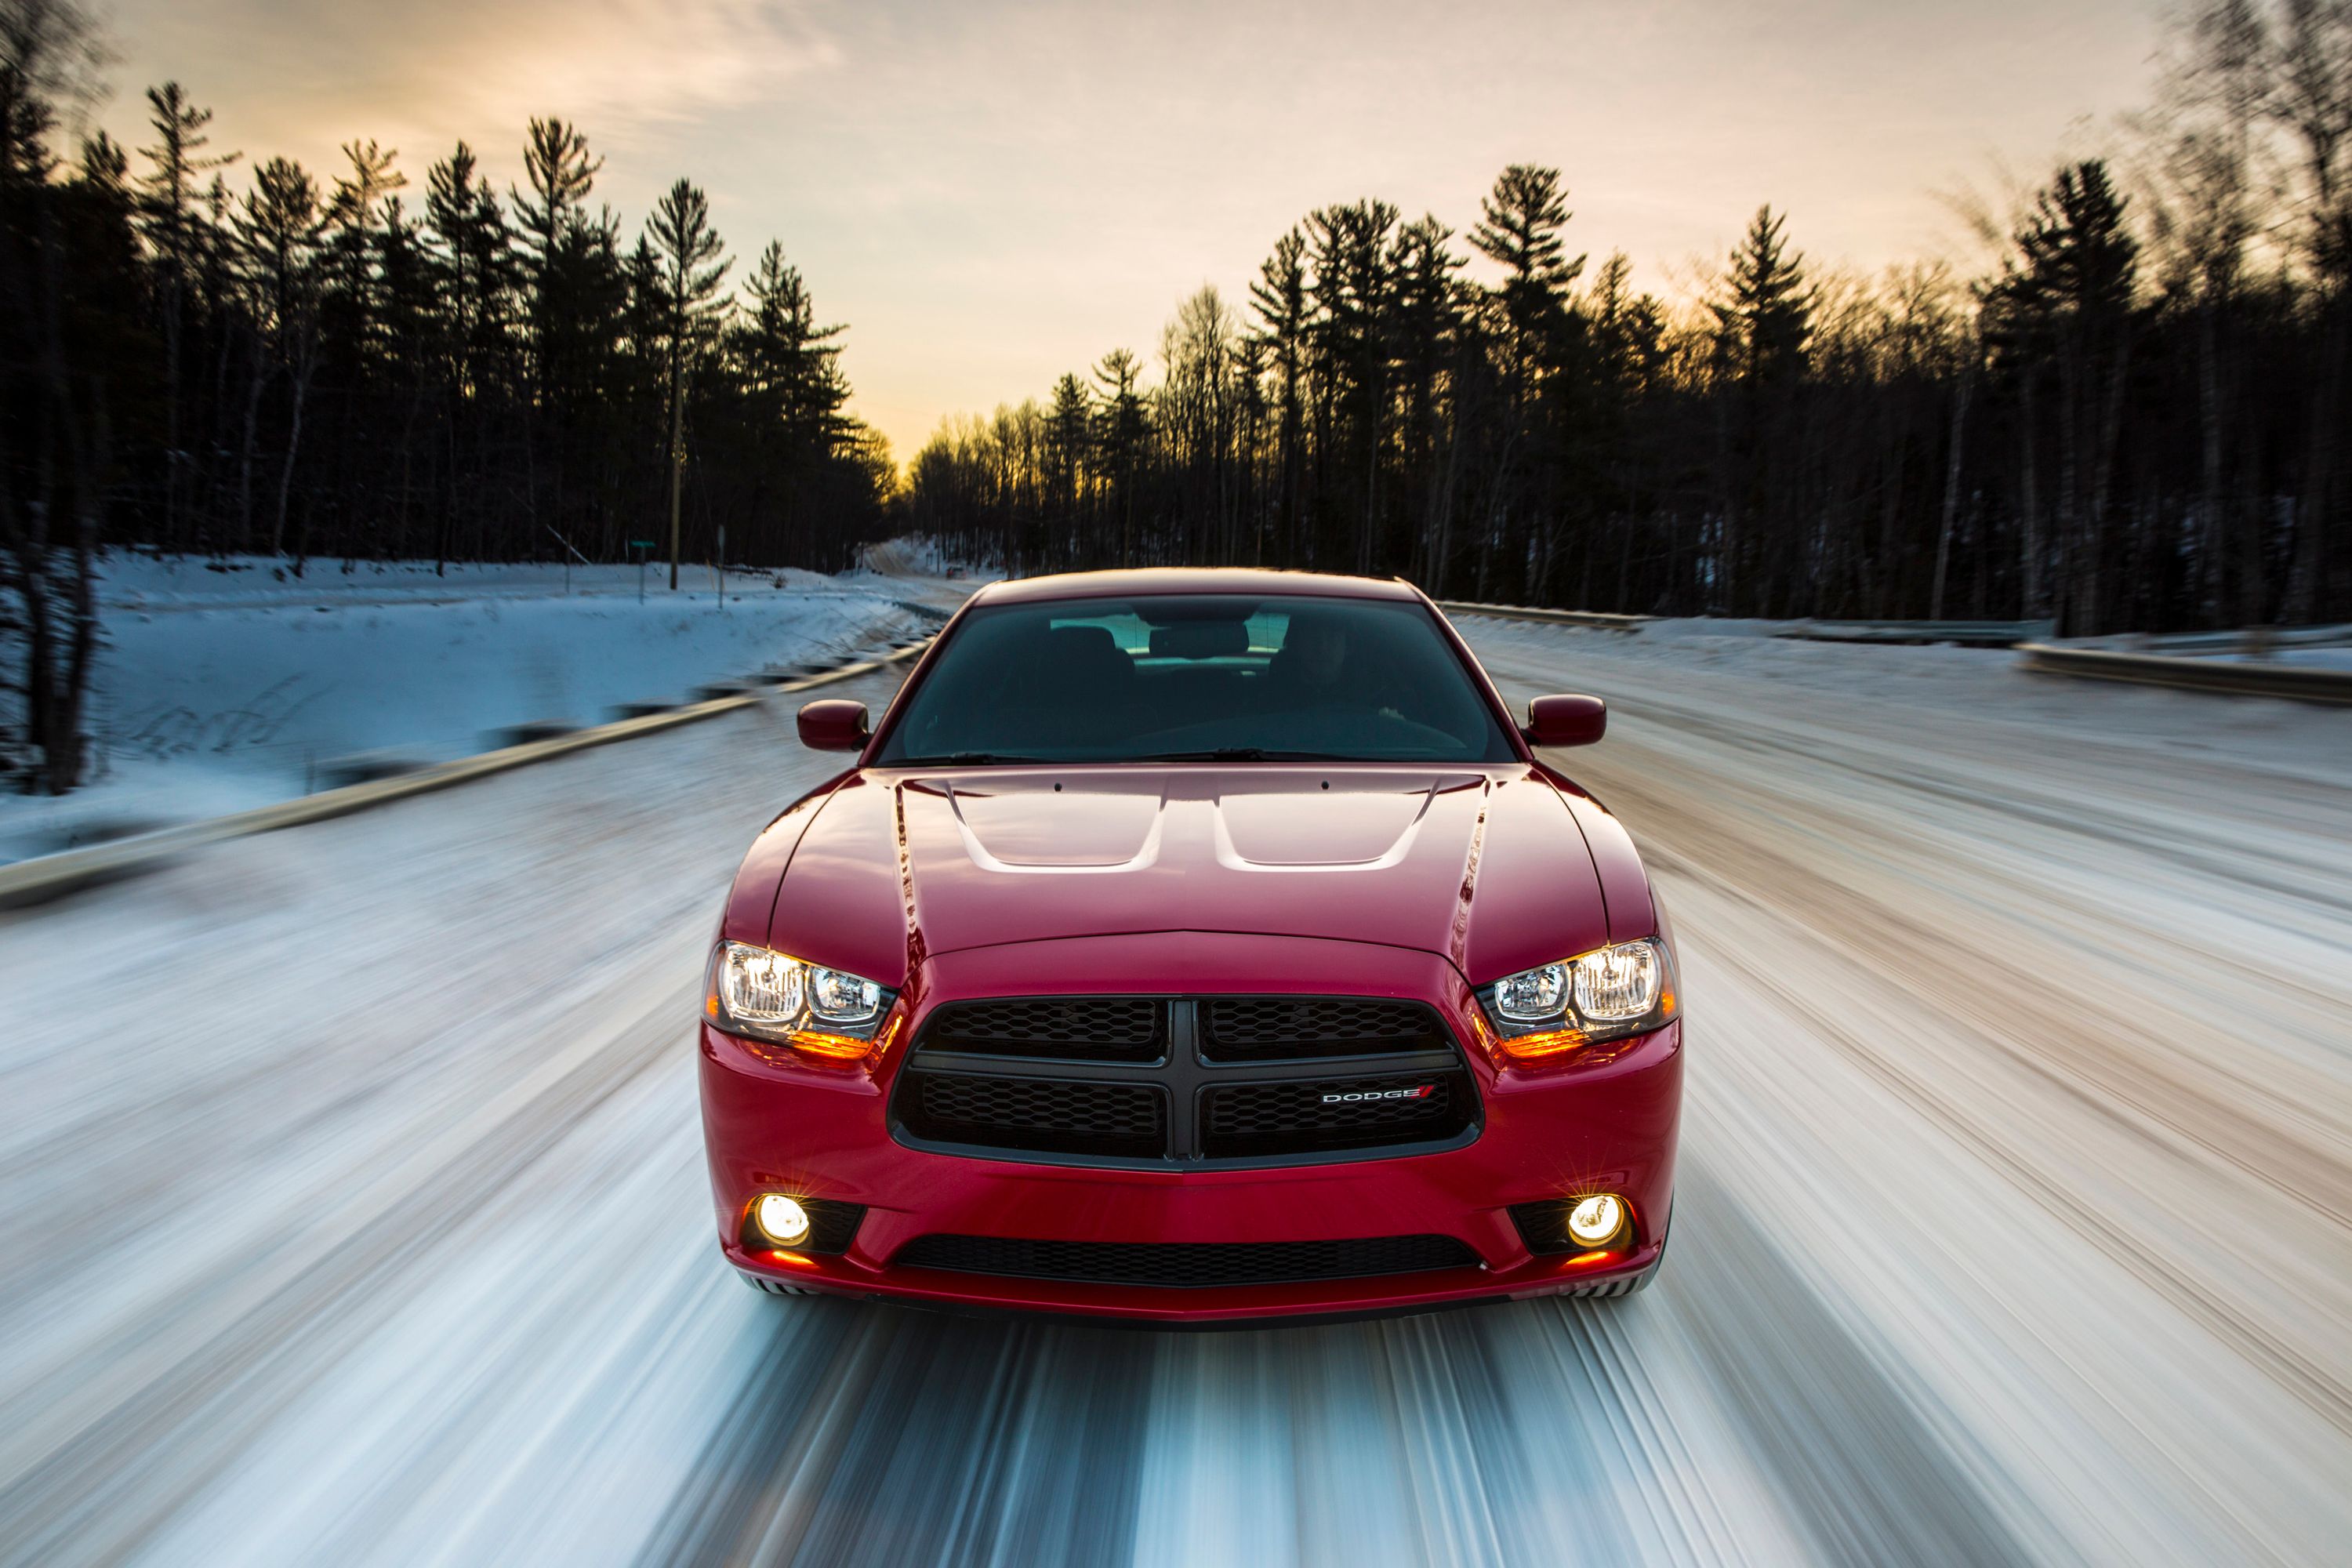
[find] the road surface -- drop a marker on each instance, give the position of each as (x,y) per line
(352,1206)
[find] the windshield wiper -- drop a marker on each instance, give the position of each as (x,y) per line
(1242,755)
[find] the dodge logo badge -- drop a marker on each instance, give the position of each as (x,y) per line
(1421,1093)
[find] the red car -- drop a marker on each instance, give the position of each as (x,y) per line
(1194,945)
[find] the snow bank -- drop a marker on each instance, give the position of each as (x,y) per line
(1934,685)
(221,689)
(917,555)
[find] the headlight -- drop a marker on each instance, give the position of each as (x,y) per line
(1624,989)
(1533,996)
(839,997)
(762,995)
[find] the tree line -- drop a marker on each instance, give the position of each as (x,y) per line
(203,352)
(2133,418)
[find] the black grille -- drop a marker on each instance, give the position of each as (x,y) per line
(1087,1028)
(1174,1080)
(1192,1265)
(1244,1118)
(1051,1114)
(1259,1028)
(832,1226)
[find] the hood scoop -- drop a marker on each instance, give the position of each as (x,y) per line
(1367,855)
(1267,824)
(1049,829)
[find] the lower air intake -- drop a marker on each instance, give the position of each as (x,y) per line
(1186,1264)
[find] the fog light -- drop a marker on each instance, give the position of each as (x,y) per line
(781,1219)
(1596,1219)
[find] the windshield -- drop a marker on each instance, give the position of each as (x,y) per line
(1206,677)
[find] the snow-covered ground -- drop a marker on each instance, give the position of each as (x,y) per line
(222,688)
(368,1223)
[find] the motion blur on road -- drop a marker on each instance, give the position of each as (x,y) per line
(353,1210)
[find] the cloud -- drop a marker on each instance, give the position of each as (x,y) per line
(615,59)
(310,74)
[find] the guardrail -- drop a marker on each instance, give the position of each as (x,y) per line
(1967,634)
(50,877)
(2253,677)
(1559,618)
(2300,683)
(2255,642)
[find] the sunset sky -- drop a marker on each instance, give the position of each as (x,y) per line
(991,194)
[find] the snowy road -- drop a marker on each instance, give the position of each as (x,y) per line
(351,1207)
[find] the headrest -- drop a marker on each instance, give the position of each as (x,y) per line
(1085,645)
(1200,639)
(1088,656)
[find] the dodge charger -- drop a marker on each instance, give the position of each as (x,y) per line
(1188,946)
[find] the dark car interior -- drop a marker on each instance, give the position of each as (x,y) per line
(1209,678)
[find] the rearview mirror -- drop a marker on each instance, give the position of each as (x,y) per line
(1566,720)
(835,724)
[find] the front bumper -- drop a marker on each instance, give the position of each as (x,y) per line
(1606,1124)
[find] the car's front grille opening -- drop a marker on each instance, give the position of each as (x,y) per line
(1265,1028)
(1082,1028)
(1187,1265)
(1050,1115)
(1181,1080)
(1243,1119)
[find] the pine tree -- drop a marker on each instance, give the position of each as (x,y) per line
(1279,296)
(1763,326)
(279,228)
(1350,286)
(691,267)
(2064,303)
(353,305)
(562,174)
(1425,325)
(474,248)
(1069,444)
(1122,428)
(792,364)
(173,219)
(1520,226)
(1765,321)
(472,251)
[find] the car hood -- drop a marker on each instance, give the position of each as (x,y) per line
(1485,865)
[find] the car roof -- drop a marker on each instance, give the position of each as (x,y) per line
(1144,582)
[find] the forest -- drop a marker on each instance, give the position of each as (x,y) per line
(204,353)
(2129,415)
(2127,412)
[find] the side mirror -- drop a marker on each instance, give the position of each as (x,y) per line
(1566,720)
(835,724)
